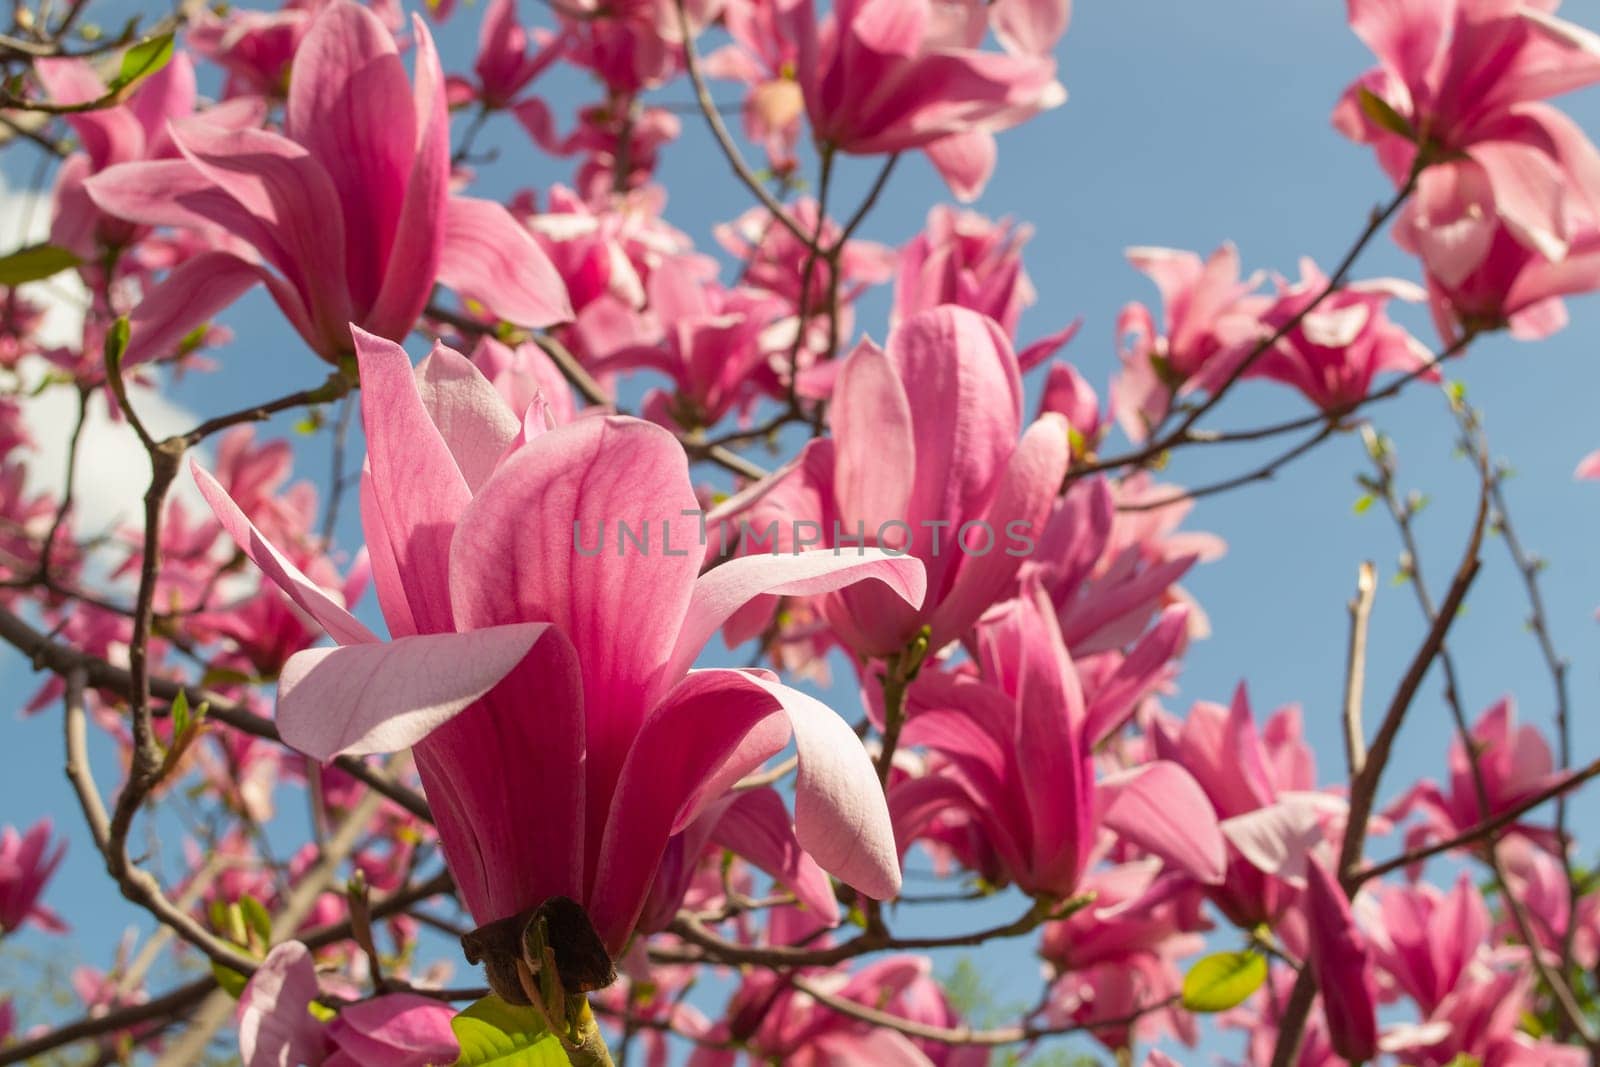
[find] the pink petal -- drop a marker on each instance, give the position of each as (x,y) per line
(396,1030)
(1280,838)
(360,699)
(186,299)
(965,161)
(1163,810)
(841,818)
(312,598)
(872,431)
(275,1029)
(419,490)
(490,257)
(475,422)
(1589,467)
(756,825)
(728,587)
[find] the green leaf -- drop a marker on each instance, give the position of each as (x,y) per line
(231,981)
(1378,110)
(34,263)
(1363,502)
(492,1032)
(143,60)
(180,714)
(1223,980)
(257,917)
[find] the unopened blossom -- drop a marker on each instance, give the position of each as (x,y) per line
(26,863)
(346,217)
(1342,964)
(626,745)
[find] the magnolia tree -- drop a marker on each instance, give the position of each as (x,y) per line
(538,832)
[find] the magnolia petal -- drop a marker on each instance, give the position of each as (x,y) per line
(1162,809)
(491,257)
(366,698)
(331,615)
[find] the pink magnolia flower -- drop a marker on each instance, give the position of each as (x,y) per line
(1334,353)
(924,459)
(522,374)
(504,66)
(1589,466)
(1343,968)
(962,258)
(134,131)
(1017,762)
(578,793)
(1481,275)
(26,864)
(276,1026)
(1516,764)
(712,349)
(346,217)
(1261,784)
(1539,882)
(1465,80)
(765,58)
(1212,319)
(256,48)
(878,76)
(619,143)
(1424,941)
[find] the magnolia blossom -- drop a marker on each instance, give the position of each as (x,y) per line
(1211,321)
(576,793)
(346,217)
(924,459)
(1017,764)
(277,1027)
(26,863)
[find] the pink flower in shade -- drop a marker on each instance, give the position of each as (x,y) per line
(1516,764)
(276,1026)
(777,1023)
(1466,79)
(26,863)
(1589,467)
(346,217)
(1335,352)
(883,76)
(125,133)
(619,143)
(1484,278)
(1539,881)
(577,793)
(1074,399)
(1017,761)
(1212,319)
(1343,967)
(925,459)
(712,350)
(774,261)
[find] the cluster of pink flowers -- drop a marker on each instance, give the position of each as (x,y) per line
(530,737)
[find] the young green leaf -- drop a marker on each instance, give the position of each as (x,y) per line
(493,1033)
(34,263)
(1223,980)
(143,60)
(1378,110)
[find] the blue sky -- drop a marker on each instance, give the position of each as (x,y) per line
(1186,125)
